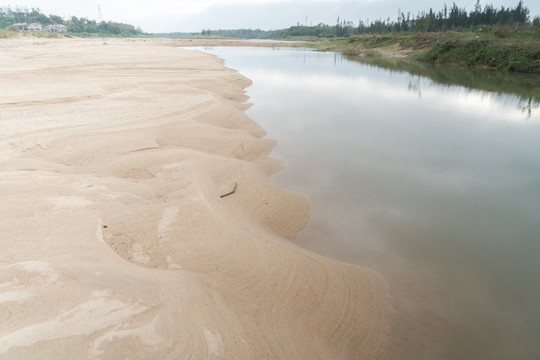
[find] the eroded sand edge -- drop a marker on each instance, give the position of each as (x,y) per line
(115,241)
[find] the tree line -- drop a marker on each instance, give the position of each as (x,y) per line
(109,28)
(73,24)
(453,18)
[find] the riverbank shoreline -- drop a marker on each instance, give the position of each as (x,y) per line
(113,160)
(500,50)
(517,51)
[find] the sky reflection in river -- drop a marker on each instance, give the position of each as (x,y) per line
(436,186)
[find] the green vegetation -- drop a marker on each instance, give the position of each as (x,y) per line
(5,34)
(85,27)
(447,19)
(504,39)
(502,48)
(74,25)
(6,20)
(512,56)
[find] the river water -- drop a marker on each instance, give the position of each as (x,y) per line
(432,178)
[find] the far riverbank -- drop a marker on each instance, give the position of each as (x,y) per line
(506,50)
(494,49)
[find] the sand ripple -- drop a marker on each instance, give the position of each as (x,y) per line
(138,140)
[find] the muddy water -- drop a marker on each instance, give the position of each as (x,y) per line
(435,185)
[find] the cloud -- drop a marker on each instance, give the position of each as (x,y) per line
(141,9)
(194,15)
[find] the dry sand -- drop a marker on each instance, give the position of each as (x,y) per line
(115,241)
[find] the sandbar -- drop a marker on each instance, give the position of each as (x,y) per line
(116,242)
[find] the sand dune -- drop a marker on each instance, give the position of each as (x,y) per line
(115,240)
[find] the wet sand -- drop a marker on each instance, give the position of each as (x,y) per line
(115,240)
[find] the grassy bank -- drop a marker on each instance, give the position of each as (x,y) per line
(496,48)
(6,34)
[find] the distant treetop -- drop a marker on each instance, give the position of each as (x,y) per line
(82,26)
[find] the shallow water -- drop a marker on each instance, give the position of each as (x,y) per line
(434,185)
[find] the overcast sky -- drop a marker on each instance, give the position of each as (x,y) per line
(195,15)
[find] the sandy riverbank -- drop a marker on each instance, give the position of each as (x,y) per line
(115,241)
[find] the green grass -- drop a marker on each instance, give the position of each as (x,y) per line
(502,48)
(512,57)
(498,48)
(6,34)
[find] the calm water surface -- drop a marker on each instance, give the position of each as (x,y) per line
(435,186)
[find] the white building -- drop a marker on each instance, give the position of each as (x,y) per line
(7,9)
(20,26)
(35,27)
(56,28)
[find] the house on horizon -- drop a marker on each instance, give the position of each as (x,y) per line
(19,26)
(35,27)
(56,28)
